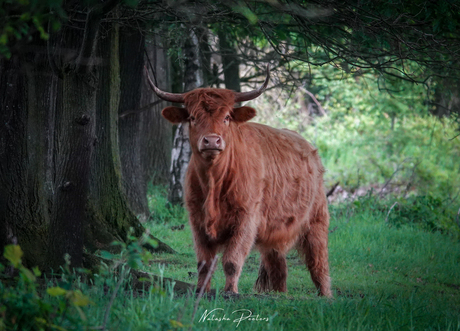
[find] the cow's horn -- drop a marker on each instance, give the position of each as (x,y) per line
(172,97)
(245,96)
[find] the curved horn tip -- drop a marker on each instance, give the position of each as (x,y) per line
(267,78)
(246,96)
(172,97)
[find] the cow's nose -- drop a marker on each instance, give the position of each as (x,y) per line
(212,142)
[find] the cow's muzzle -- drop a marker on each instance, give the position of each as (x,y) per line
(211,144)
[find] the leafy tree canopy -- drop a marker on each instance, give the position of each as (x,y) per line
(386,36)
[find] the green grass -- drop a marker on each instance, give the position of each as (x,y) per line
(384,277)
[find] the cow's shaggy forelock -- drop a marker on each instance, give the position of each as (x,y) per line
(208,100)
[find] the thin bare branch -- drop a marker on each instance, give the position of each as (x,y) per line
(320,108)
(386,218)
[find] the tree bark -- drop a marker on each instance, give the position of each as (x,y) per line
(230,62)
(446,98)
(205,57)
(156,138)
(109,216)
(26,131)
(130,127)
(75,137)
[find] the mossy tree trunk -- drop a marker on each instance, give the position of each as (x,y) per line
(60,170)
(109,215)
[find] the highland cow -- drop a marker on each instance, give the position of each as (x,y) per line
(250,185)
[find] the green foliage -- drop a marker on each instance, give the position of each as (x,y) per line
(23,18)
(133,252)
(376,131)
(162,211)
(424,212)
(23,306)
(417,155)
(428,212)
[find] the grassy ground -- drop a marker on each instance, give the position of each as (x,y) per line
(384,278)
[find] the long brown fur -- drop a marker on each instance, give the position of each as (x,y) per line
(265,189)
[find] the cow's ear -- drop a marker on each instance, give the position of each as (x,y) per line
(243,114)
(175,115)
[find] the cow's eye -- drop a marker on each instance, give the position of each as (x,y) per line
(227,118)
(192,118)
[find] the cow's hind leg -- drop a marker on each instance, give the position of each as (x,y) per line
(313,245)
(263,281)
(272,272)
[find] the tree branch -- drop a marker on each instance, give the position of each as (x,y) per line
(320,108)
(84,60)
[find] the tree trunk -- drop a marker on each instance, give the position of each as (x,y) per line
(109,215)
(56,135)
(181,152)
(446,98)
(156,138)
(230,62)
(75,138)
(205,57)
(27,109)
(131,73)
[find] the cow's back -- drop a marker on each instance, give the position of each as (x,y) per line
(292,184)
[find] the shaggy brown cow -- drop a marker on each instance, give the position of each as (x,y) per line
(250,185)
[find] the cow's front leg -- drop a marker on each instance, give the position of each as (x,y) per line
(205,254)
(235,254)
(205,268)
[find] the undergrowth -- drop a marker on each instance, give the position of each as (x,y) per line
(417,155)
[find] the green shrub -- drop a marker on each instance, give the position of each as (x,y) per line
(427,212)
(25,306)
